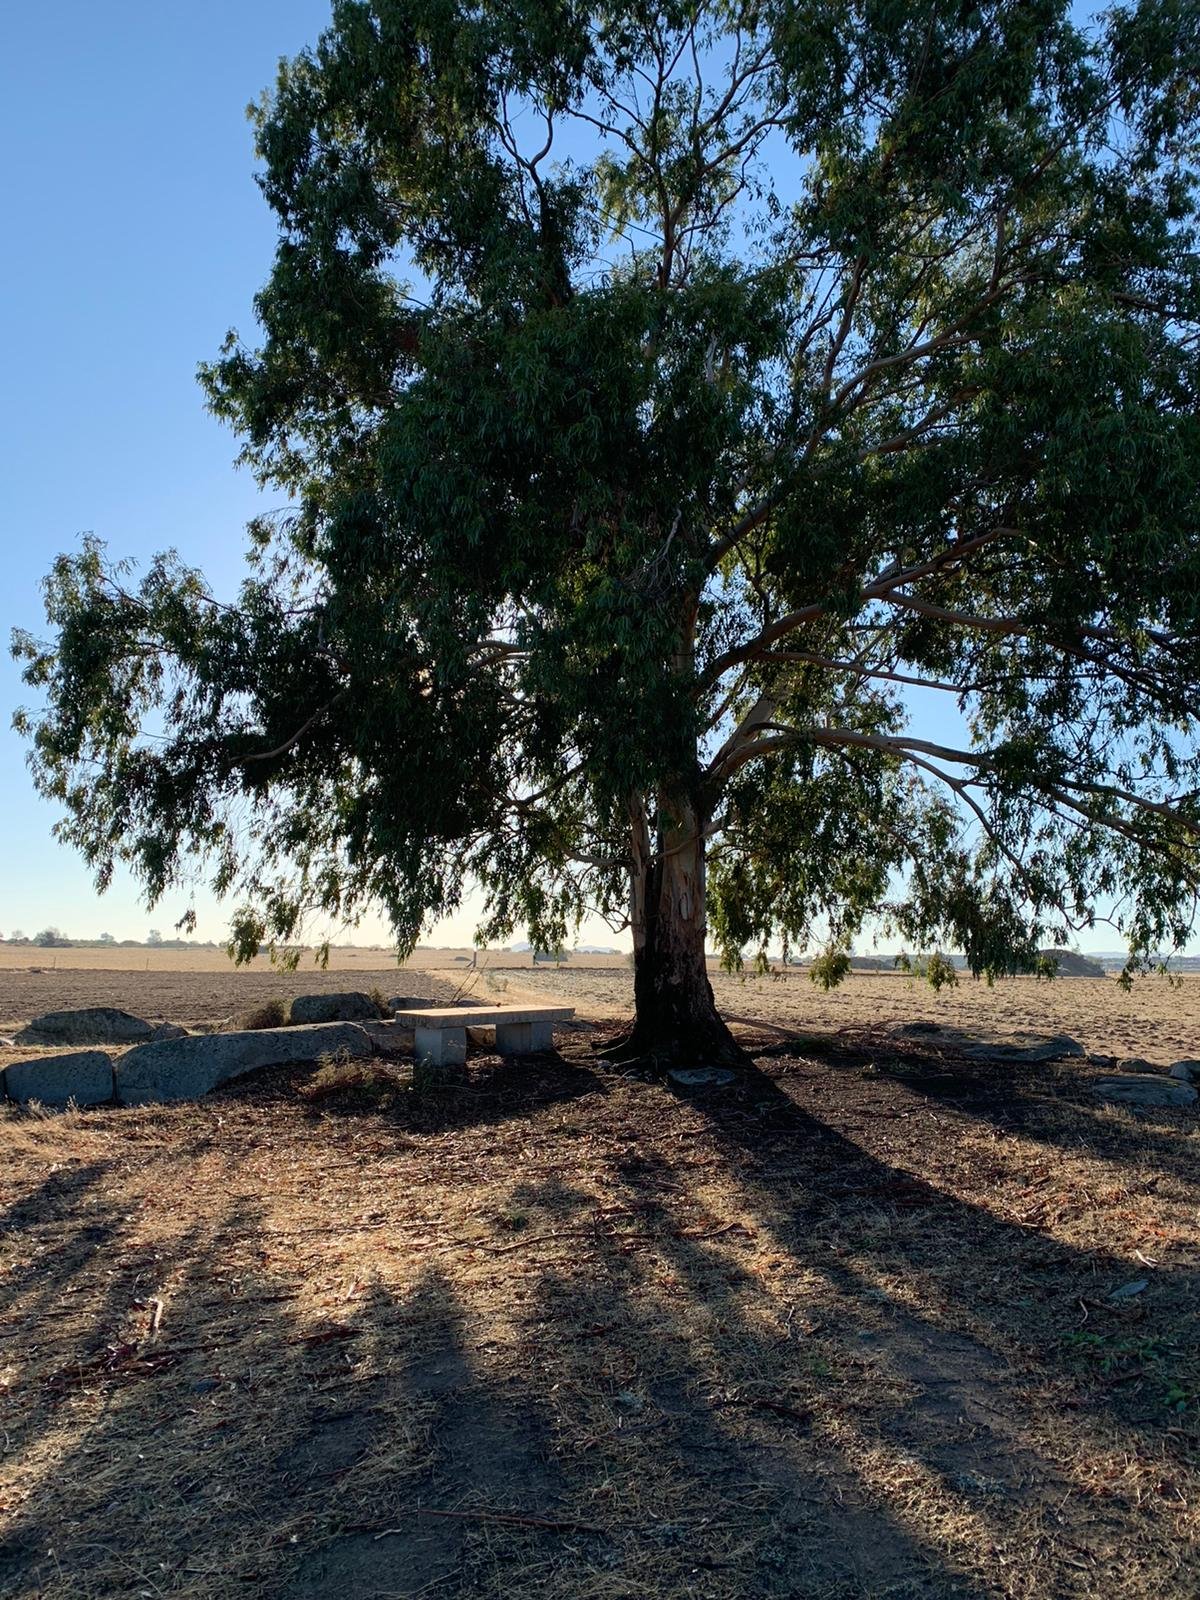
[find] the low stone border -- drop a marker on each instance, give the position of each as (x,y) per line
(84,1076)
(174,1069)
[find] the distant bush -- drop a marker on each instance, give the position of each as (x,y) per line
(271,1014)
(937,969)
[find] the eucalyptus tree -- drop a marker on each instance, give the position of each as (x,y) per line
(672,403)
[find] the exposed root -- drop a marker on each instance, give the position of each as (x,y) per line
(662,1048)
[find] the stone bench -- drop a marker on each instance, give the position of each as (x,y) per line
(440,1034)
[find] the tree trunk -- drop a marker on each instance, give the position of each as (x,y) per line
(675,1018)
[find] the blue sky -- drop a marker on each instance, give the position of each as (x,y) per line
(141,238)
(137,237)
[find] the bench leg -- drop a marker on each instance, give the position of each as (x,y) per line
(512,1039)
(439,1055)
(523,1038)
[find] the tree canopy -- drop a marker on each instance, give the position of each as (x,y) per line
(675,405)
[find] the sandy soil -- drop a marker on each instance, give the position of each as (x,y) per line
(201,987)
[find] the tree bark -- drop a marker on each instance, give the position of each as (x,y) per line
(675,1015)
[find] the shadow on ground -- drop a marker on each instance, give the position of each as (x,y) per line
(568,1335)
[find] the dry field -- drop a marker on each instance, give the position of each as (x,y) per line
(847,1331)
(1158,1020)
(200,986)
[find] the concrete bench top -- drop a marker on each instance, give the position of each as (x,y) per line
(475,1016)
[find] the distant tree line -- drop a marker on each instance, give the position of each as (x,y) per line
(53,938)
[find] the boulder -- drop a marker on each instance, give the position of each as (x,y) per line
(1011,1048)
(390,1038)
(1136,1064)
(351,1007)
(183,1069)
(92,1025)
(1185,1071)
(702,1077)
(408,1002)
(1137,1090)
(84,1076)
(1029,1049)
(168,1030)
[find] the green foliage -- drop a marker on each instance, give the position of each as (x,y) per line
(1116,1355)
(937,970)
(658,397)
(830,968)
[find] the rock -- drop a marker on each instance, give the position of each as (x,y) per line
(7,1044)
(701,1077)
(408,1002)
(84,1076)
(1102,1061)
(92,1025)
(1056,1048)
(918,1028)
(1128,1290)
(168,1030)
(183,1069)
(1136,1064)
(351,1007)
(390,1038)
(1185,1071)
(1137,1090)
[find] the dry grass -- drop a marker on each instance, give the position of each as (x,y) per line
(846,1331)
(273,1013)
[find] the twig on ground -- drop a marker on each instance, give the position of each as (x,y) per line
(512,1518)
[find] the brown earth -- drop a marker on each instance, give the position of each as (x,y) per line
(845,1330)
(197,988)
(1158,1019)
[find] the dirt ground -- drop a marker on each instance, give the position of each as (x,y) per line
(877,1323)
(201,987)
(1158,1020)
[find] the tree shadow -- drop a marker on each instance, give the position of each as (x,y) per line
(493,1089)
(723,1351)
(1051,1102)
(950,1422)
(241,1448)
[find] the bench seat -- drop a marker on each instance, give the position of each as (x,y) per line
(440,1033)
